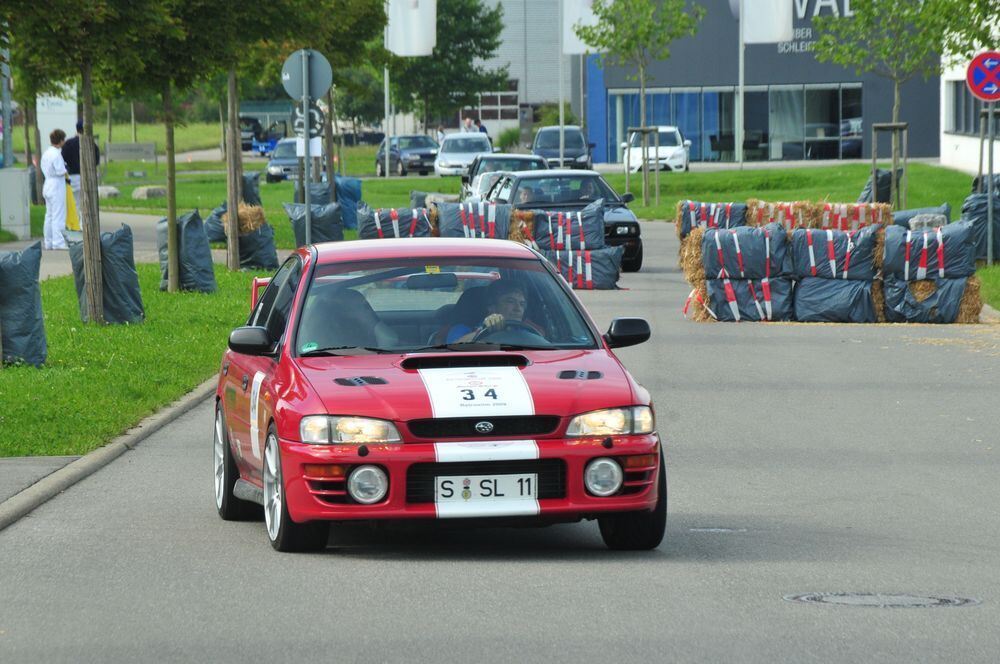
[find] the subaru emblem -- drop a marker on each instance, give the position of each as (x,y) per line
(484,427)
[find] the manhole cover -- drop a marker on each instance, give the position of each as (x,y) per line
(882,600)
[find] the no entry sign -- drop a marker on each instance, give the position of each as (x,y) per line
(983,76)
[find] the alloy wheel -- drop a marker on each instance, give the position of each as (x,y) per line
(272,488)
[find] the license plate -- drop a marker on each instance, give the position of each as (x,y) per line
(485,488)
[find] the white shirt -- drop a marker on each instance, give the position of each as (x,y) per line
(53,166)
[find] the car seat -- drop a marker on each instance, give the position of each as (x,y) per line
(470,309)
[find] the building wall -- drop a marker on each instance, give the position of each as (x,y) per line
(958,150)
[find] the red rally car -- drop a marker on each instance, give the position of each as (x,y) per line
(432,379)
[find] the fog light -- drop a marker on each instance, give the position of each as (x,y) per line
(368,484)
(603,477)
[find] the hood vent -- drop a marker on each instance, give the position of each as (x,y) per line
(359,381)
(570,374)
(461,361)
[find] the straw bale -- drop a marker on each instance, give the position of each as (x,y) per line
(878,300)
(878,251)
(762,212)
(691,259)
(921,290)
(522,226)
(248,217)
(679,219)
(972,302)
(432,218)
(696,311)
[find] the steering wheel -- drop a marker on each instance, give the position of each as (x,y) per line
(508,324)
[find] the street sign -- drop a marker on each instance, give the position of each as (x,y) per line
(317,121)
(983,76)
(320,74)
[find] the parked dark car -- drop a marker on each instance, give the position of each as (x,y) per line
(283,164)
(570,191)
(250,128)
(486,168)
(576,150)
(407,153)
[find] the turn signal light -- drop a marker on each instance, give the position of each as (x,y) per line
(640,461)
(324,470)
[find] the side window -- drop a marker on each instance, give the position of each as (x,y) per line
(278,318)
(273,293)
(503,192)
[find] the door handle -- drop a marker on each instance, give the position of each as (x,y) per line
(246,381)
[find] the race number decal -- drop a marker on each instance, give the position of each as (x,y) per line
(258,378)
(477,392)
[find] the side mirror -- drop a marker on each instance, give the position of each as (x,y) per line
(496,149)
(627,332)
(687,143)
(466,178)
(250,341)
(592,145)
(628,197)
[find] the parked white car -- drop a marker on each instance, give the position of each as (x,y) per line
(458,150)
(674,154)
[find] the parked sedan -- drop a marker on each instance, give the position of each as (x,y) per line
(570,191)
(485,170)
(283,164)
(674,154)
(458,150)
(576,150)
(407,153)
(347,398)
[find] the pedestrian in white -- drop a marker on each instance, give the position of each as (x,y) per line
(54,190)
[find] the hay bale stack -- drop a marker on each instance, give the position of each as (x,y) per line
(248,217)
(679,219)
(878,300)
(972,302)
(522,226)
(847,216)
(761,213)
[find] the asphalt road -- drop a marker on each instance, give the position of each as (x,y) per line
(801,457)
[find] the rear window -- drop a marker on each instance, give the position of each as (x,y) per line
(284,150)
(549,140)
(466,144)
(491,165)
(416,142)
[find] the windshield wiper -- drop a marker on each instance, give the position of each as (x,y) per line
(345,350)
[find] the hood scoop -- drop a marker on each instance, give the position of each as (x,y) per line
(570,374)
(360,381)
(462,361)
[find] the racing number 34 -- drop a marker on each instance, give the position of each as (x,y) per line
(470,395)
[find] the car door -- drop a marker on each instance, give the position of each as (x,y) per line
(252,374)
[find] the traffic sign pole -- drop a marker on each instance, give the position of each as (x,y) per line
(305,175)
(989,186)
(983,80)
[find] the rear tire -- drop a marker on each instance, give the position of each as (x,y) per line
(284,534)
(379,169)
(638,531)
(400,171)
(633,264)
(230,507)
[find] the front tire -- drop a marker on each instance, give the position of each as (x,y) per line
(633,264)
(400,171)
(379,169)
(230,507)
(284,534)
(638,531)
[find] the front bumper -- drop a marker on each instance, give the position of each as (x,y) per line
(418,164)
(632,244)
(450,170)
(309,498)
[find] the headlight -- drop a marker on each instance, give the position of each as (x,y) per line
(412,157)
(582,159)
(338,429)
(274,170)
(613,422)
(621,230)
(434,151)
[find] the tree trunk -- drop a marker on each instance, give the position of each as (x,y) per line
(234,179)
(90,220)
(108,139)
(39,180)
(894,188)
(222,126)
(135,134)
(173,259)
(27,139)
(330,145)
(645,137)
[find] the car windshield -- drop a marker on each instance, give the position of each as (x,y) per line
(668,139)
(549,140)
(437,303)
(284,150)
(491,165)
(416,142)
(466,144)
(562,190)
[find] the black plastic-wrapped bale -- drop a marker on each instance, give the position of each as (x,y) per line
(834,301)
(903,217)
(122,296)
(197,272)
(947,252)
(348,195)
(326,223)
(830,254)
(214,229)
(319,193)
(984,180)
(746,252)
(393,223)
(565,229)
(593,269)
(251,188)
(22,320)
(940,301)
(257,250)
(736,300)
(418,199)
(477,219)
(697,214)
(883,189)
(975,209)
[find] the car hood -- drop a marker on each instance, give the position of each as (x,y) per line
(554,152)
(618,213)
(283,161)
(399,387)
(464,158)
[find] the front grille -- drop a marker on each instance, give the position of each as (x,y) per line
(551,476)
(465,427)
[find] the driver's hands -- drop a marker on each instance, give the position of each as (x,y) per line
(493,322)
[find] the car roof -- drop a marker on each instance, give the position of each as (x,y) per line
(556,127)
(511,155)
(553,173)
(361,250)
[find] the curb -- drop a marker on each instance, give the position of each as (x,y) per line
(55,483)
(989,314)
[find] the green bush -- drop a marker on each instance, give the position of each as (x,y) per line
(509,138)
(548,115)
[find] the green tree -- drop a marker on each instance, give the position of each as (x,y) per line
(978,27)
(441,84)
(359,94)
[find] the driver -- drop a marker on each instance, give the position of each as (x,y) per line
(506,301)
(588,190)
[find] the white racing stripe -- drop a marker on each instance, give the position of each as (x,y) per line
(258,378)
(477,392)
(494,450)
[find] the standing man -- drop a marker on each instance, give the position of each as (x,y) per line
(54,190)
(440,134)
(481,127)
(71,155)
(467,126)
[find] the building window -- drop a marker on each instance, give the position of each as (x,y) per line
(966,112)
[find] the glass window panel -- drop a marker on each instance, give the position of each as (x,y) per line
(787,123)
(687,117)
(487,100)
(658,109)
(487,114)
(508,100)
(823,113)
(756,126)
(851,126)
(508,113)
(623,112)
(718,138)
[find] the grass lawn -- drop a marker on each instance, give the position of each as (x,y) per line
(990,277)
(99,381)
(193,136)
